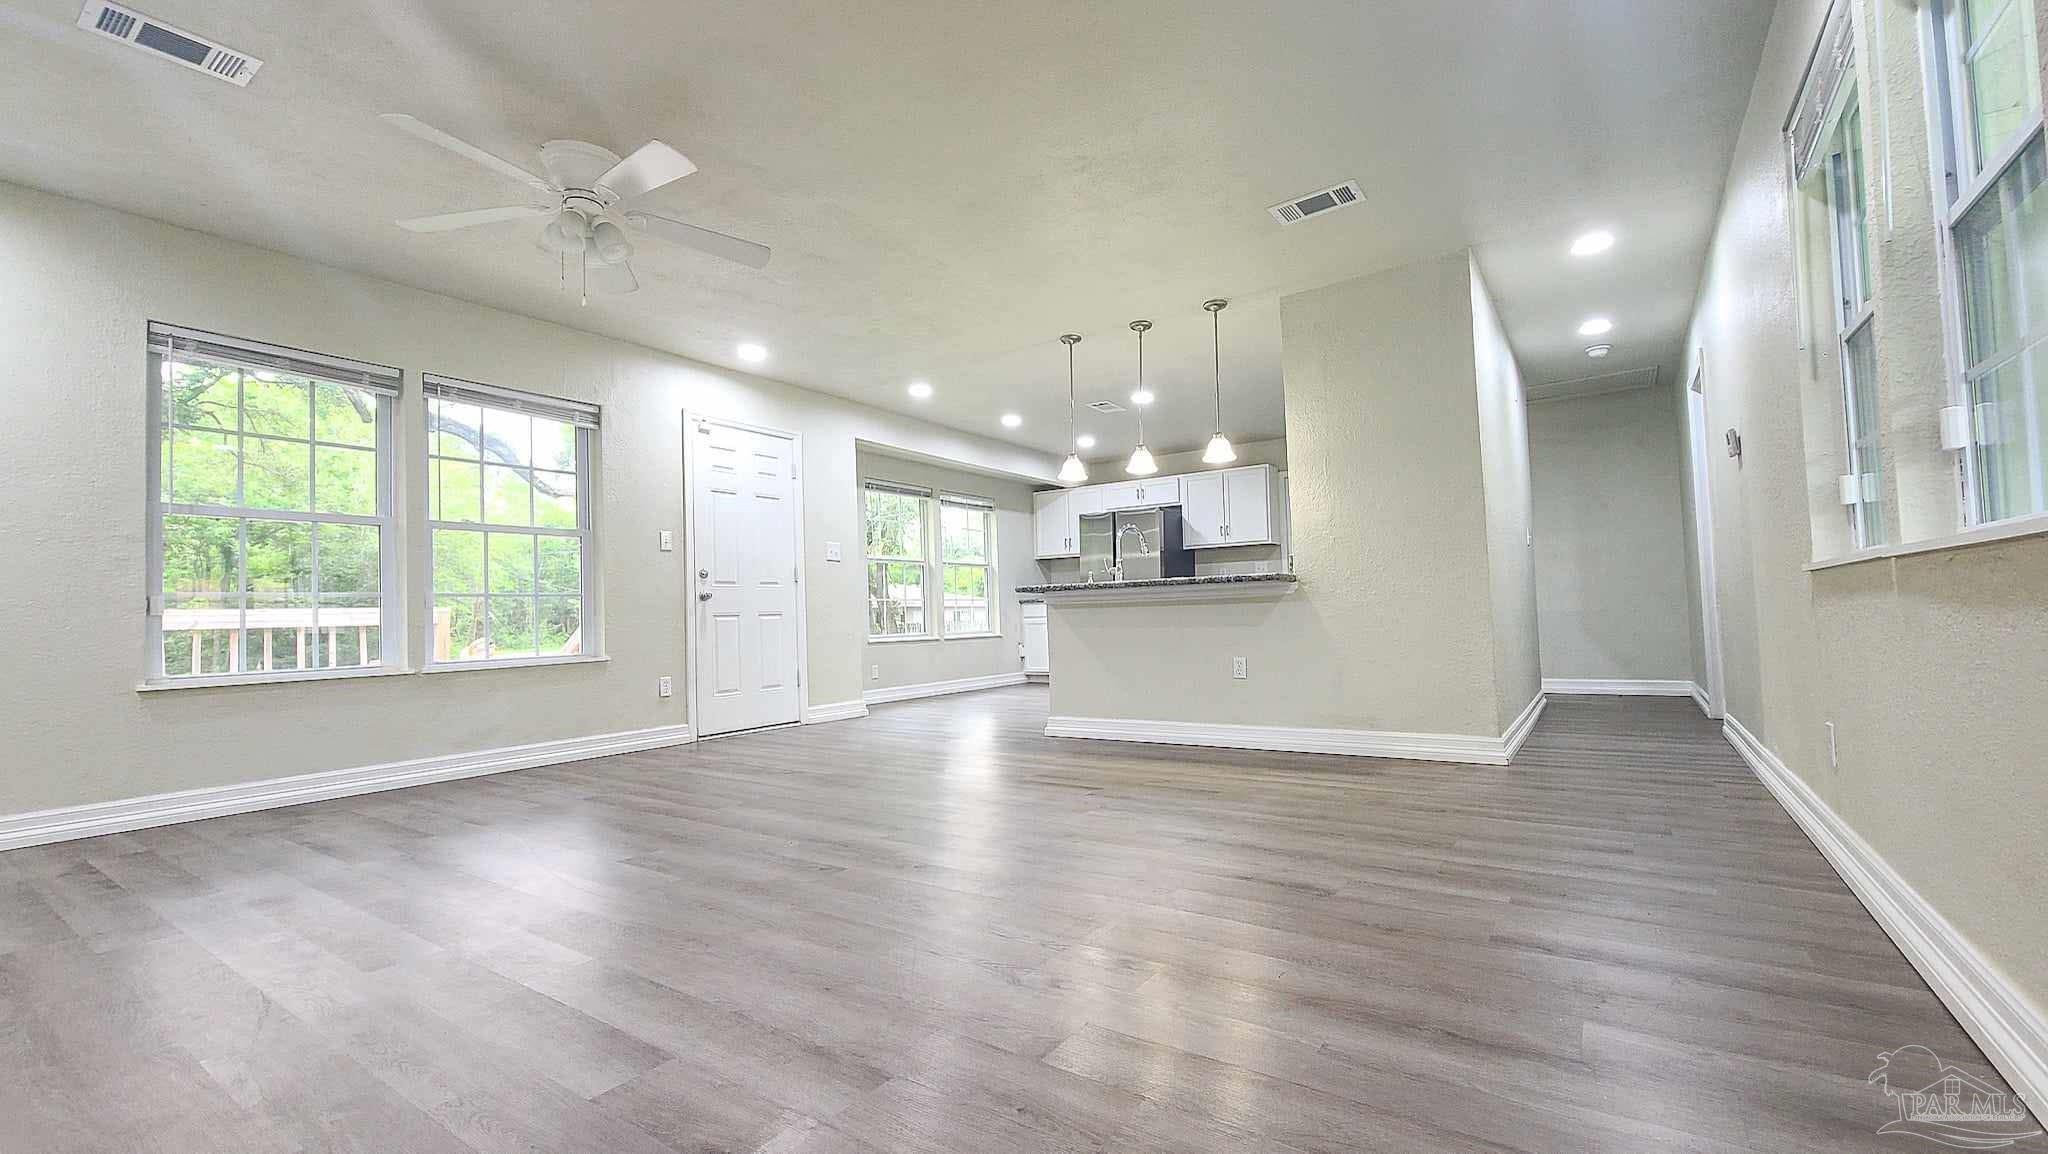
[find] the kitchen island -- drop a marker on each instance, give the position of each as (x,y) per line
(1164,588)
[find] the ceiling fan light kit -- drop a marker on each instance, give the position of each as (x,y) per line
(584,195)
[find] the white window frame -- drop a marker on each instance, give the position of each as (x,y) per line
(1960,184)
(166,343)
(927,536)
(586,419)
(1854,311)
(987,509)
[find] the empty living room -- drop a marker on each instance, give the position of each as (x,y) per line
(1347,575)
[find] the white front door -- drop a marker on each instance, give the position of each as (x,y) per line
(745,556)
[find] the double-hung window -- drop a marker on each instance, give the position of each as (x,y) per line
(1827,139)
(272,551)
(967,565)
(923,545)
(1987,86)
(508,478)
(896,551)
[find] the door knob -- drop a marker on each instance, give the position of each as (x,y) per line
(703,596)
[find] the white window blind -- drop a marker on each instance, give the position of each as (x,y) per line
(180,343)
(579,413)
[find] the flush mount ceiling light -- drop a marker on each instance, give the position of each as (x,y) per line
(1593,243)
(751,353)
(1141,463)
(1072,471)
(920,390)
(1085,441)
(1012,420)
(1596,327)
(1598,351)
(1219,451)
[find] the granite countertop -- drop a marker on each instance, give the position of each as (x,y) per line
(1161,582)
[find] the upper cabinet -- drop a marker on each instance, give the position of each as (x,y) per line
(1058,525)
(1219,509)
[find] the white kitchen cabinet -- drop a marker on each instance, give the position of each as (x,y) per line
(1201,511)
(1228,507)
(1037,642)
(1248,499)
(1140,494)
(1057,525)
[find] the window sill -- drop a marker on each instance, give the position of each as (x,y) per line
(221,680)
(515,663)
(2014,529)
(900,638)
(972,637)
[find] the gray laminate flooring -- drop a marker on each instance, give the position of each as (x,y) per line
(936,929)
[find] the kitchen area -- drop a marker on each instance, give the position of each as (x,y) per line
(1201,534)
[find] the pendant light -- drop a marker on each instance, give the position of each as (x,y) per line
(1141,464)
(1219,451)
(1072,471)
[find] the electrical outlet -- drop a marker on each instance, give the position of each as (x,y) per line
(665,687)
(874,673)
(668,540)
(1237,668)
(1834,762)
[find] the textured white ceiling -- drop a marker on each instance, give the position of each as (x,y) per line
(948,186)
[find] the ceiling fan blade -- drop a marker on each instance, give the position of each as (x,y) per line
(463,148)
(449,221)
(613,279)
(718,244)
(652,165)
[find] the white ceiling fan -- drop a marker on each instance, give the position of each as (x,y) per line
(585,193)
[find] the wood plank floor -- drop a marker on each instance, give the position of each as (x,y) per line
(935,929)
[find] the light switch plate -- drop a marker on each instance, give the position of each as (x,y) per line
(1237,668)
(665,687)
(668,540)
(831,550)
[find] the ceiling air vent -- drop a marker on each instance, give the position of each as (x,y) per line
(1329,199)
(194,52)
(1106,406)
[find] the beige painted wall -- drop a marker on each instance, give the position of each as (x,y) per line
(1391,627)
(1934,666)
(1510,519)
(84,280)
(889,664)
(1610,537)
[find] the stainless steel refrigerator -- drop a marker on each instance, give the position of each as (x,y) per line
(1134,545)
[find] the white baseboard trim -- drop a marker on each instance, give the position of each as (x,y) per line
(78,821)
(1524,725)
(1620,688)
(940,688)
(1455,747)
(1699,698)
(2009,1028)
(835,711)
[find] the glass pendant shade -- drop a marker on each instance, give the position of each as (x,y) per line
(1219,451)
(1073,472)
(1142,464)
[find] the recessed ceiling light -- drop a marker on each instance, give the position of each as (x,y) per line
(1085,441)
(1011,420)
(920,390)
(1142,397)
(752,353)
(1593,243)
(1596,326)
(1598,351)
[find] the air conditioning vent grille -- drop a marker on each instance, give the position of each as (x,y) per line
(115,22)
(1316,203)
(160,39)
(1106,406)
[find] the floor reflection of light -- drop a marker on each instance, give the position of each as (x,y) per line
(971,782)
